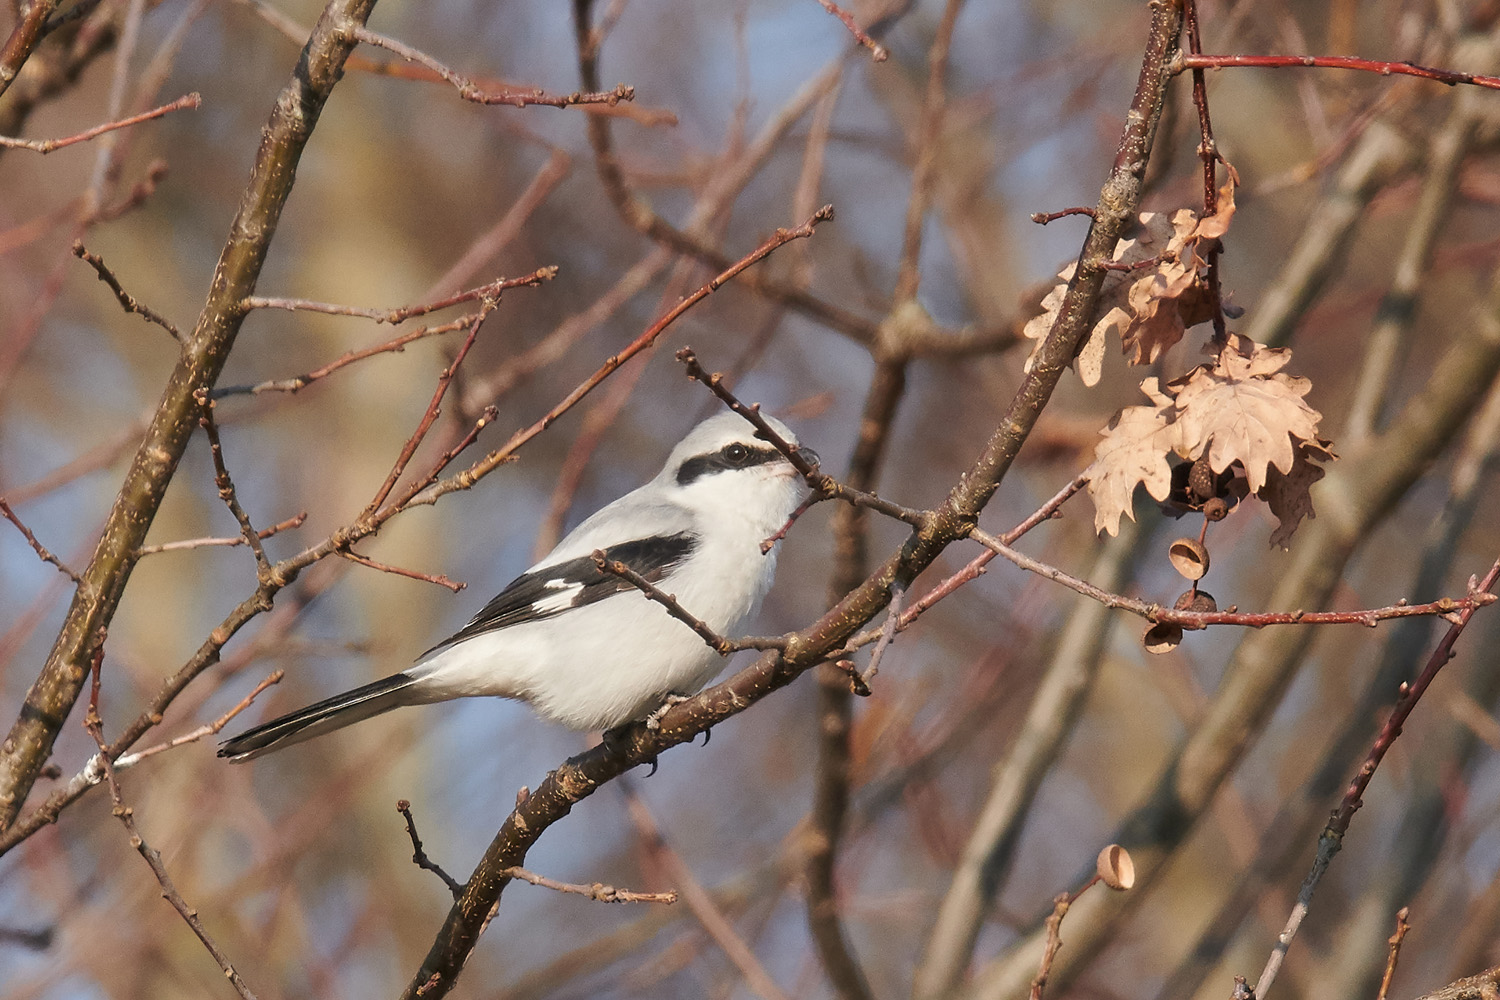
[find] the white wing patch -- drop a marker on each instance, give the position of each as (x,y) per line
(560,596)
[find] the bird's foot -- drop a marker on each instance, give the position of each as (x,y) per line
(653,721)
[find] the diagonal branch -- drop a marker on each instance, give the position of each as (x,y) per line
(286,135)
(583,775)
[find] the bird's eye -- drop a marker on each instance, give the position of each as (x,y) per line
(736,454)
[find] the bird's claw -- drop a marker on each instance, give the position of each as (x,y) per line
(653,721)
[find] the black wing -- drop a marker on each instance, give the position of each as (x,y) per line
(566,585)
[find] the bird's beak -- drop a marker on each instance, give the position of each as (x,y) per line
(810,456)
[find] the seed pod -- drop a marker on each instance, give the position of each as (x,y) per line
(1201,479)
(1162,637)
(1215,508)
(1196,600)
(1115,868)
(1189,558)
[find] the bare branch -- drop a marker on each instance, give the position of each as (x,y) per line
(151,856)
(877,51)
(1450,77)
(594,890)
(1443,607)
(470,91)
(36,546)
(127,301)
(419,857)
(45,146)
(411,574)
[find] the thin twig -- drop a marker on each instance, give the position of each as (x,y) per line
(45,146)
(437,578)
(200,543)
(125,814)
(419,856)
(1443,607)
(1395,953)
(505,453)
(429,416)
(40,549)
(595,890)
(127,301)
(263,569)
(887,633)
(1446,76)
(1332,837)
(877,51)
(471,91)
(715,641)
(213,728)
(1060,907)
(492,290)
(392,346)
(1042,218)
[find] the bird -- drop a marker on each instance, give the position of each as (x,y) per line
(583,646)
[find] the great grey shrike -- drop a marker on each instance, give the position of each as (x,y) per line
(582,646)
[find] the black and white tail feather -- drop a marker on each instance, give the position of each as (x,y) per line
(582,646)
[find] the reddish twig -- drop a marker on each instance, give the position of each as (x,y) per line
(437,578)
(1444,607)
(263,569)
(975,567)
(45,146)
(214,727)
(200,543)
(877,51)
(1445,76)
(36,546)
(1332,837)
(127,301)
(300,382)
(1208,152)
(429,416)
(471,91)
(505,453)
(125,814)
(403,313)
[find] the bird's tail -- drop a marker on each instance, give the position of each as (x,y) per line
(323,717)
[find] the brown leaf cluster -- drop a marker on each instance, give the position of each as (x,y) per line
(1151,306)
(1240,411)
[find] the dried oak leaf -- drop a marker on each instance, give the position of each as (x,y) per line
(1134,451)
(1217,225)
(1288,494)
(1244,409)
(1150,309)
(1152,239)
